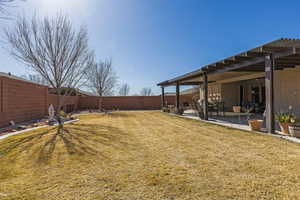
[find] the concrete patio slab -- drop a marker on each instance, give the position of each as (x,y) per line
(192,115)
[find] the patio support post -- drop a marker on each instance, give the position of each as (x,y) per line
(205,103)
(269,81)
(177,97)
(162,97)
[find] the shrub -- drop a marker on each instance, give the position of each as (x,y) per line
(286,117)
(180,111)
(63,114)
(165,109)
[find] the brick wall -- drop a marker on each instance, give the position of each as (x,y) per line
(129,102)
(123,103)
(69,103)
(21,101)
(88,103)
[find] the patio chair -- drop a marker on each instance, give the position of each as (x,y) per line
(213,107)
(221,108)
(217,107)
(197,107)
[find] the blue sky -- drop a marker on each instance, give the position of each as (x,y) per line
(153,40)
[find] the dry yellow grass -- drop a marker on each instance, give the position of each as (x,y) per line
(147,155)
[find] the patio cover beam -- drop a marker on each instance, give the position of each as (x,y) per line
(254,54)
(284,50)
(205,105)
(191,83)
(177,97)
(269,83)
(262,68)
(162,97)
(254,61)
(186,83)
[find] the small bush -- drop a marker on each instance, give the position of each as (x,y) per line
(180,111)
(166,109)
(63,114)
(286,117)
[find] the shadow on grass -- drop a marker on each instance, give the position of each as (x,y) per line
(23,143)
(118,114)
(77,139)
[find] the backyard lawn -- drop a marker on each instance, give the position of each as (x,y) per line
(138,155)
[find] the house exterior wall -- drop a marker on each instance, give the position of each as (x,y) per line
(230,94)
(225,92)
(287,90)
(214,92)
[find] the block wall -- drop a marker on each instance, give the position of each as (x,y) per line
(21,101)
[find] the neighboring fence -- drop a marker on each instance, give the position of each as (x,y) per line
(124,102)
(69,103)
(21,101)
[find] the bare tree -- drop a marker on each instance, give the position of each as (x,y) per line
(52,49)
(124,90)
(146,92)
(35,78)
(101,78)
(4,6)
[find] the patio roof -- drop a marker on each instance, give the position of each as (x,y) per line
(285,51)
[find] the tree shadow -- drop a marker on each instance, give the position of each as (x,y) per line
(105,135)
(77,139)
(22,144)
(118,114)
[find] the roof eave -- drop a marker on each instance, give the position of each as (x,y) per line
(241,59)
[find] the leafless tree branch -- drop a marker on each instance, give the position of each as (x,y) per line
(101,78)
(35,78)
(52,49)
(4,6)
(146,92)
(124,90)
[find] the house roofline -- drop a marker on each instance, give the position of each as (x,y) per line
(281,47)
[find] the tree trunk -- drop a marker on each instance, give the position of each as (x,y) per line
(58,110)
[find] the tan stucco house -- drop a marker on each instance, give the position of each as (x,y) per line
(267,76)
(250,89)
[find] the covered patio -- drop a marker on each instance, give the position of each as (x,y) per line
(256,81)
(229,119)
